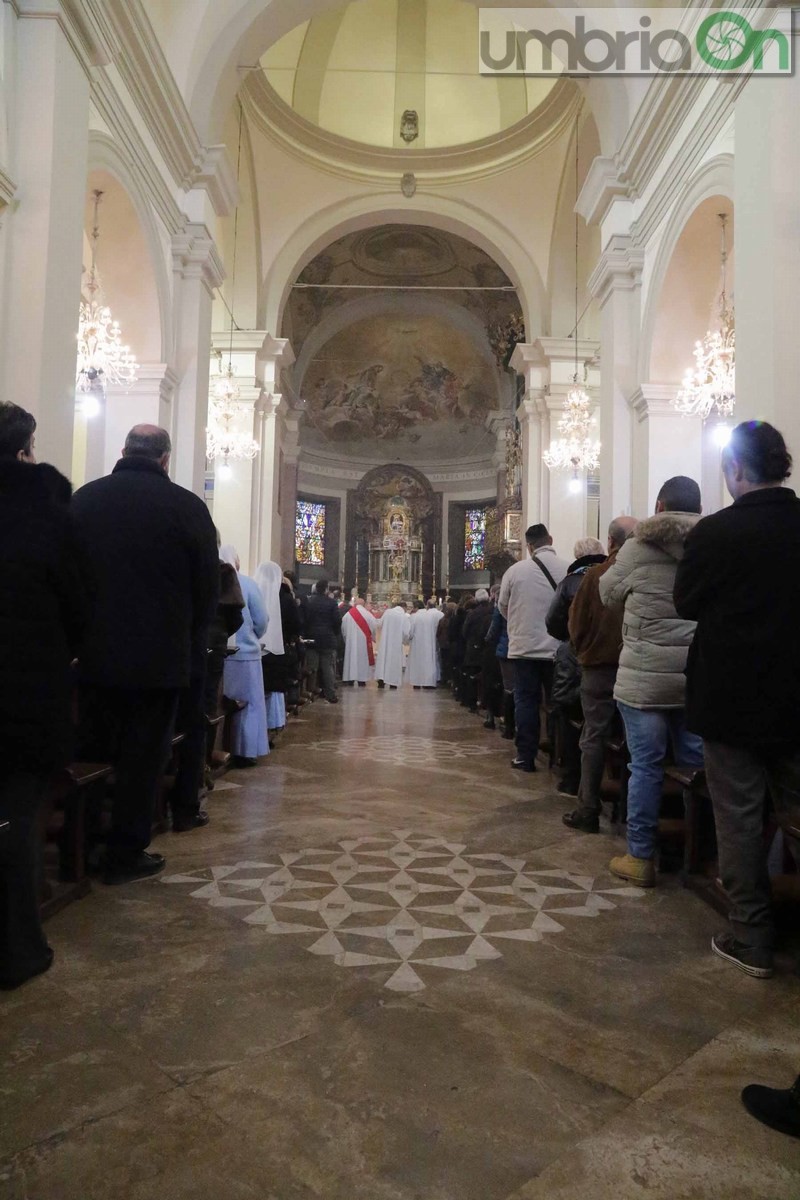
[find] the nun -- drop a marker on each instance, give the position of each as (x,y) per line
(243,680)
(269,578)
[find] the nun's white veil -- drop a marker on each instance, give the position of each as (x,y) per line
(229,554)
(269,578)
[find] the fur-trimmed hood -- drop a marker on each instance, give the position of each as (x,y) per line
(667,531)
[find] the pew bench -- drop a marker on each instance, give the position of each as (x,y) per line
(70,793)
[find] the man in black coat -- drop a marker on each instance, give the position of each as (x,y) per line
(323,625)
(740,580)
(153,550)
(43,614)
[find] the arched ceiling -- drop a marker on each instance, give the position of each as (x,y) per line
(356,69)
(398,336)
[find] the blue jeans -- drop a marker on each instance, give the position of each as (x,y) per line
(532,676)
(648,732)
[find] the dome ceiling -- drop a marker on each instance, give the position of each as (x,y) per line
(398,332)
(355,71)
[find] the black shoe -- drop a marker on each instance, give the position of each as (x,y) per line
(243,764)
(15,979)
(417,687)
(585,822)
(126,870)
(362,685)
(508,735)
(489,723)
(519,764)
(332,699)
(566,788)
(774,1107)
(381,684)
(194,821)
(753,960)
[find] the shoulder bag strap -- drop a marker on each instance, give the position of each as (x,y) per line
(545,572)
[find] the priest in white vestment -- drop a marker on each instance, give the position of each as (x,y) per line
(394,630)
(423,655)
(358,631)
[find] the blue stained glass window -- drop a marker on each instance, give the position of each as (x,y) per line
(309,534)
(475,539)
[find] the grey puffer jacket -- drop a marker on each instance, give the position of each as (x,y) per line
(655,640)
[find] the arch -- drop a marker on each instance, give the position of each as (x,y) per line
(105,155)
(362,212)
(714,178)
(370,306)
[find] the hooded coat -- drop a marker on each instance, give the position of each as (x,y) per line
(655,640)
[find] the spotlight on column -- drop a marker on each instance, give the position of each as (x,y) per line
(575,485)
(90,405)
(224,471)
(721,435)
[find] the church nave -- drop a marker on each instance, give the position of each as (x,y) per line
(386,971)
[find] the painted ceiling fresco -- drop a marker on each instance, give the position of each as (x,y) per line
(406,379)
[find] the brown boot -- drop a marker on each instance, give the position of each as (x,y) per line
(639,871)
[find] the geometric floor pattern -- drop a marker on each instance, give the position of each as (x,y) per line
(409,903)
(402,749)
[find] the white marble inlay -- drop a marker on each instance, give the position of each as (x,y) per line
(402,749)
(404,902)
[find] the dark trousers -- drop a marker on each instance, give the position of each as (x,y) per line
(191,722)
(131,729)
(568,744)
(599,718)
(532,677)
(739,780)
(325,662)
(23,945)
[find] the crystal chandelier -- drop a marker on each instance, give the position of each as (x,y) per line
(575,449)
(711,383)
(223,441)
(102,357)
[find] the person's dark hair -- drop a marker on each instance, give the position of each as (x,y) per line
(291,576)
(680,494)
(17,427)
(147,445)
(418,604)
(321,587)
(537,535)
(760,449)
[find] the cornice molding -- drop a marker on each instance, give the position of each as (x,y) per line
(656,400)
(432,167)
(84,24)
(601,187)
(195,255)
(619,268)
(563,349)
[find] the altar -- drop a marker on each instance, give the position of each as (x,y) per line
(395,556)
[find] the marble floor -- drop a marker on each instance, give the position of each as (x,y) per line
(386,971)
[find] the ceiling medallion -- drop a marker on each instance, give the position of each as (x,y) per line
(408,185)
(409,125)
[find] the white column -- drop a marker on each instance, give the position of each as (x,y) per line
(271,412)
(198,270)
(767,244)
(288,489)
(616,284)
(148,401)
(527,361)
(50,131)
(665,444)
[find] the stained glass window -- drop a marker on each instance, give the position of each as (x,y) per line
(309,533)
(475,539)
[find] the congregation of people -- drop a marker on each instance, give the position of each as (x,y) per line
(124,620)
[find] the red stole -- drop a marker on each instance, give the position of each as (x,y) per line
(361,622)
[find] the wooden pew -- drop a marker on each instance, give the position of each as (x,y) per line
(70,792)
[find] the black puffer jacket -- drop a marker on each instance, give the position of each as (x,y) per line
(323,621)
(43,615)
(557,620)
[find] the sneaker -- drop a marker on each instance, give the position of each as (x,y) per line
(140,866)
(639,871)
(582,821)
(778,1109)
(753,960)
(519,764)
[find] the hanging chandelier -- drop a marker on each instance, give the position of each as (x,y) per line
(711,383)
(102,357)
(575,449)
(223,440)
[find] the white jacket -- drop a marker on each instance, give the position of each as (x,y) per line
(525,597)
